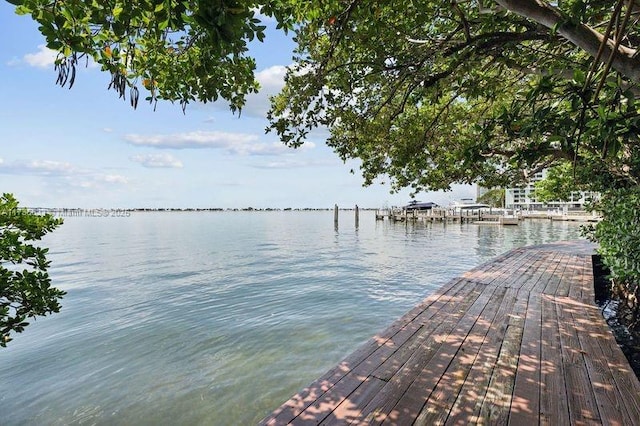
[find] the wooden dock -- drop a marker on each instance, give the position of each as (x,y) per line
(445,215)
(434,215)
(518,340)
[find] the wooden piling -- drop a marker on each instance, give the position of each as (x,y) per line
(357,216)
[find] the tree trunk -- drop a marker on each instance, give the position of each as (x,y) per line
(580,35)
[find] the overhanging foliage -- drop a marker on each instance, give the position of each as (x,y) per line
(25,287)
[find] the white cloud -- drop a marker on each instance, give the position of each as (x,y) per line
(114,179)
(272,79)
(271,82)
(190,140)
(43,58)
(37,167)
(234,143)
(285,164)
(257,104)
(62,173)
(290,163)
(158,161)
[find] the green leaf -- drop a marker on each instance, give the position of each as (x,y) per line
(22,10)
(28,290)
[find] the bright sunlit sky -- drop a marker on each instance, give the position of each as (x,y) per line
(85,148)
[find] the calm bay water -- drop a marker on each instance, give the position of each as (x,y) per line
(219,317)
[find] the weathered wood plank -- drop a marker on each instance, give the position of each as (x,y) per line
(467,406)
(342,391)
(553,277)
(424,325)
(588,286)
(544,268)
(582,406)
(627,389)
(419,390)
(502,270)
(382,345)
(571,280)
(437,407)
(497,402)
(554,407)
(399,383)
(350,410)
(525,406)
(610,405)
(574,272)
(520,271)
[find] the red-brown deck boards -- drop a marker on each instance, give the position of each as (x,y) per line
(467,407)
(517,340)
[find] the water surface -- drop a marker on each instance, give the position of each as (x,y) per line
(219,317)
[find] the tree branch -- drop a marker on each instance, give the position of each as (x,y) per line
(581,35)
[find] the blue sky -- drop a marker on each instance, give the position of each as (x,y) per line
(86,148)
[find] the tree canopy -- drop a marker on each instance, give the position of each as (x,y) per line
(494,197)
(424,93)
(427,93)
(450,92)
(176,50)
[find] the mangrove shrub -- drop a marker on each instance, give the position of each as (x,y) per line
(619,237)
(25,286)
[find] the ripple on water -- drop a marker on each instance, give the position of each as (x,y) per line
(216,318)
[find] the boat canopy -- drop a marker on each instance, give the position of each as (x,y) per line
(475,206)
(417,205)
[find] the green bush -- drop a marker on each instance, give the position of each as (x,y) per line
(618,235)
(25,287)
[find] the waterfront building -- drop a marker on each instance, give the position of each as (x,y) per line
(523,198)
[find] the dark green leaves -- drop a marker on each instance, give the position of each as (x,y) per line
(25,287)
(177,50)
(618,235)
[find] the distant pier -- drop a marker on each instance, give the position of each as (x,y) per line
(518,340)
(437,215)
(478,216)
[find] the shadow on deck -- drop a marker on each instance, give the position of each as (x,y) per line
(518,340)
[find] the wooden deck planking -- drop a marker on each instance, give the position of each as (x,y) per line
(466,408)
(553,278)
(525,407)
(407,374)
(380,346)
(436,408)
(554,408)
(514,341)
(427,324)
(582,406)
(446,347)
(497,402)
(615,366)
(610,406)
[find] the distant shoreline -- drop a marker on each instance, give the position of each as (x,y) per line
(114,212)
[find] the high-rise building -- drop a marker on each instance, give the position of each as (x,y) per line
(523,198)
